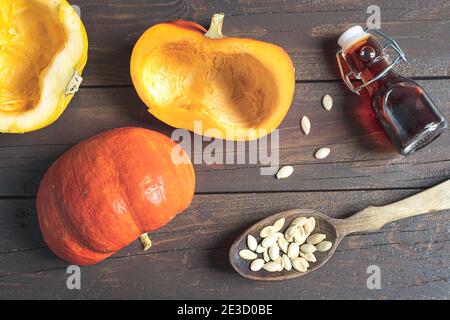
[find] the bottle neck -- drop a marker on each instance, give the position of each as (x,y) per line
(384,81)
(366,59)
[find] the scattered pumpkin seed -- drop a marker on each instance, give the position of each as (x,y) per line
(287,263)
(247,255)
(278,235)
(266,256)
(293,250)
(310,257)
(283,244)
(308,248)
(260,249)
(322,153)
(269,241)
(274,252)
(324,246)
(285,172)
(300,264)
(280,261)
(300,236)
(290,233)
(327,102)
(316,238)
(257,265)
(267,232)
(272,266)
(252,244)
(279,224)
(306,125)
(300,221)
(309,226)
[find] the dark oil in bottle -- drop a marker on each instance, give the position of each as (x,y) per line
(404,110)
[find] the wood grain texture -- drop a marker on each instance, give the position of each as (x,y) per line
(189,256)
(361,156)
(307,30)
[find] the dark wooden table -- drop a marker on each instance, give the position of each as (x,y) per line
(189,257)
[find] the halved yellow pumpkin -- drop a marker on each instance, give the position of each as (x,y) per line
(43,51)
(236,88)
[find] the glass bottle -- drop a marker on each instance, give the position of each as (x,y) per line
(404,110)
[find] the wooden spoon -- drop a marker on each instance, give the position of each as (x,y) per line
(370,219)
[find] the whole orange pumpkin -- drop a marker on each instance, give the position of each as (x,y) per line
(108,190)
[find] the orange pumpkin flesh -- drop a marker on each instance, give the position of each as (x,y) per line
(108,190)
(240,87)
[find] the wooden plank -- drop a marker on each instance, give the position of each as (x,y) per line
(361,157)
(189,257)
(308,30)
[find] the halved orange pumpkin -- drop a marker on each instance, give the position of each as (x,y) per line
(43,50)
(239,89)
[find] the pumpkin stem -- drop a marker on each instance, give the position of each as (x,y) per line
(146,241)
(74,83)
(215,29)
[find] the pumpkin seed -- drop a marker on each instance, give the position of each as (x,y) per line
(280,261)
(306,125)
(327,102)
(247,255)
(257,265)
(308,257)
(290,233)
(301,236)
(324,246)
(300,264)
(266,256)
(274,252)
(293,250)
(272,266)
(269,241)
(260,249)
(252,244)
(307,263)
(283,244)
(308,248)
(309,226)
(279,224)
(267,232)
(322,153)
(285,172)
(287,263)
(299,222)
(316,238)
(278,235)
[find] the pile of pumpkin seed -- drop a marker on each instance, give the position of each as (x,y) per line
(292,250)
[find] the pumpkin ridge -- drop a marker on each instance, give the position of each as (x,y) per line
(67,221)
(70,228)
(63,242)
(181,184)
(121,182)
(104,151)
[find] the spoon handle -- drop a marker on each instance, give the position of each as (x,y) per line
(374,218)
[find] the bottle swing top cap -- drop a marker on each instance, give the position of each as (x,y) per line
(351,35)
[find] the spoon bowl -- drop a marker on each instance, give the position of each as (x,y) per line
(324,224)
(370,219)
